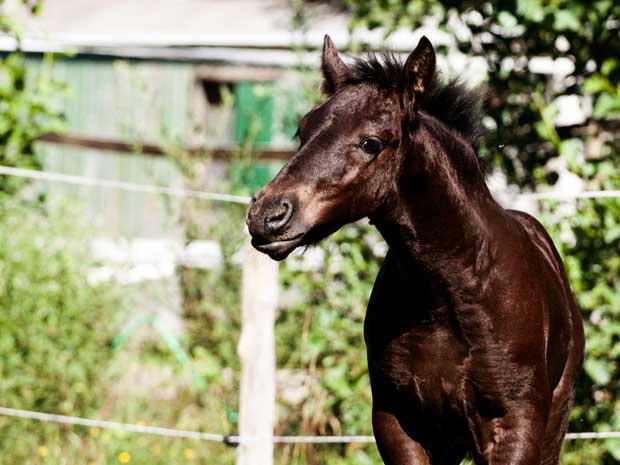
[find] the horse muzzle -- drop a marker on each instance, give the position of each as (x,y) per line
(274,224)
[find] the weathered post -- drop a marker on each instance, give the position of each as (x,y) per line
(256,350)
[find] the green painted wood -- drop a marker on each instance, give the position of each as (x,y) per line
(254,104)
(254,111)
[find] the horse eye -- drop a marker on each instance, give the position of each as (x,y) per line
(372,145)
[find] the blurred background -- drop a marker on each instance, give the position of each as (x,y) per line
(120,289)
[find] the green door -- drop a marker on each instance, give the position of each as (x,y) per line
(253,122)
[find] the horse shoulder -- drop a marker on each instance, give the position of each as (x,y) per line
(564,325)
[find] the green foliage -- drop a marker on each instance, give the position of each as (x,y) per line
(58,354)
(587,234)
(607,105)
(56,327)
(328,302)
(30,106)
(211,298)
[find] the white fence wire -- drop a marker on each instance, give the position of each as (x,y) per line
(232,439)
(218,197)
(121,185)
(604,194)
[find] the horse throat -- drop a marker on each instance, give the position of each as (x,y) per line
(437,216)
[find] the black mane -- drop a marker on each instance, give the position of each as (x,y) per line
(453,103)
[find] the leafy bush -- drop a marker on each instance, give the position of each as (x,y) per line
(320,332)
(56,327)
(30,106)
(587,234)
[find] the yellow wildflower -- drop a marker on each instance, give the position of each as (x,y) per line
(189,454)
(42,451)
(124,457)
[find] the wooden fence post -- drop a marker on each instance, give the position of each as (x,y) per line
(256,350)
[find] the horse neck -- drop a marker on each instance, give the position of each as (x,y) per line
(440,209)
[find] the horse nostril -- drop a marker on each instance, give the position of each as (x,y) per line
(279,216)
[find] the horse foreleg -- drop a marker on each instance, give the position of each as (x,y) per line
(395,446)
(514,439)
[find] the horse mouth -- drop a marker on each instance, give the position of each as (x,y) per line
(278,250)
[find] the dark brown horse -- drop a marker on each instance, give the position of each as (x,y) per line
(474,338)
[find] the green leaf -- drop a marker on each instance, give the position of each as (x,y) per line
(609,65)
(507,20)
(566,20)
(606,105)
(531,9)
(596,84)
(613,447)
(336,380)
(571,150)
(598,370)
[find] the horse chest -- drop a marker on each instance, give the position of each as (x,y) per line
(423,366)
(415,351)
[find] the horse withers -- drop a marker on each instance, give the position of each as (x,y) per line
(474,338)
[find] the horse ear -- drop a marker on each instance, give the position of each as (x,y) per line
(420,70)
(335,71)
